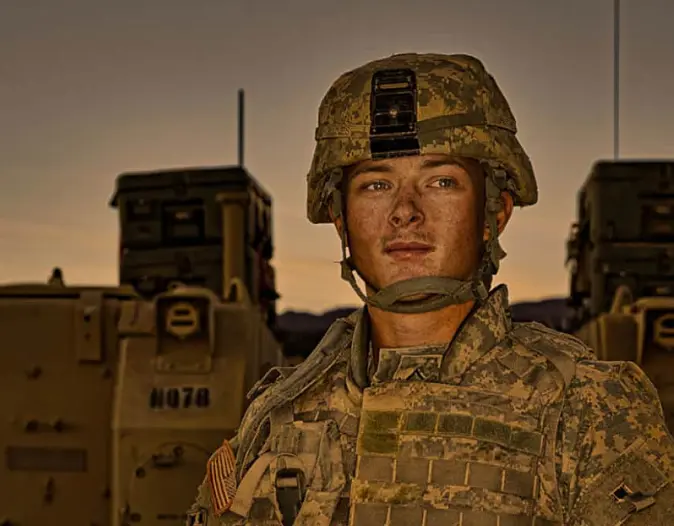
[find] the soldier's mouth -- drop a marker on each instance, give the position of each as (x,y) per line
(407,250)
(407,246)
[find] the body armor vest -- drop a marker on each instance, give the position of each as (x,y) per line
(431,453)
(414,448)
(460,436)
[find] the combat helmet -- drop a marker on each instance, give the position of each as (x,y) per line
(415,104)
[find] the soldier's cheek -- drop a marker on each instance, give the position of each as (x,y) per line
(368,230)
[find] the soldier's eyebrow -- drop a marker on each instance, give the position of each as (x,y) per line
(372,168)
(439,163)
(384,168)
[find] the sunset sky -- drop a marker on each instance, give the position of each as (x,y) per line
(89,90)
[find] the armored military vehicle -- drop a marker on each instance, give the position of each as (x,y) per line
(621,253)
(114,397)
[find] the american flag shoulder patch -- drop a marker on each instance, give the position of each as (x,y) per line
(221,472)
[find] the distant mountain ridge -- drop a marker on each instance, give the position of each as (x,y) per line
(301,331)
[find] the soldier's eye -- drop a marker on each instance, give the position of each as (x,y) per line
(444,182)
(376,186)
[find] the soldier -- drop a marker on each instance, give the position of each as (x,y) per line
(429,406)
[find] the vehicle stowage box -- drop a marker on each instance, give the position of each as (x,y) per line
(193,225)
(628,201)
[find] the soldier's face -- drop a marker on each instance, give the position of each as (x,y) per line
(415,216)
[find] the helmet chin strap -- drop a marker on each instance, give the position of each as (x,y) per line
(436,292)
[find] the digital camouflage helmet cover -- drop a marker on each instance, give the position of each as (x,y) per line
(416,104)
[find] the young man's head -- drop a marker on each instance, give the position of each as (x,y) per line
(417,216)
(418,167)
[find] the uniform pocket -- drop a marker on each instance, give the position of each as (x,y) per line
(299,481)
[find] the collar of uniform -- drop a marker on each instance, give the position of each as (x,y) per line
(481,330)
(360,346)
(421,363)
(487,325)
(393,364)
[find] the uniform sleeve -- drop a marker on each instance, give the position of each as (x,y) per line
(201,513)
(203,510)
(618,459)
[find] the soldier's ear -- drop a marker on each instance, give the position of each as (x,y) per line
(503,215)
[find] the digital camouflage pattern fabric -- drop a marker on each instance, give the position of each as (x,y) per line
(511,424)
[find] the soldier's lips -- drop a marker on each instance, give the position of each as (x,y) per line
(407,250)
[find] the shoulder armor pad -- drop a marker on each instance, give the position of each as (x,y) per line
(562,350)
(617,387)
(287,389)
(636,380)
(273,375)
(637,385)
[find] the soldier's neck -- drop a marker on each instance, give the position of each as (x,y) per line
(390,330)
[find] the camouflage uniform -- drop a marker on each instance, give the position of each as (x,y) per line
(507,425)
